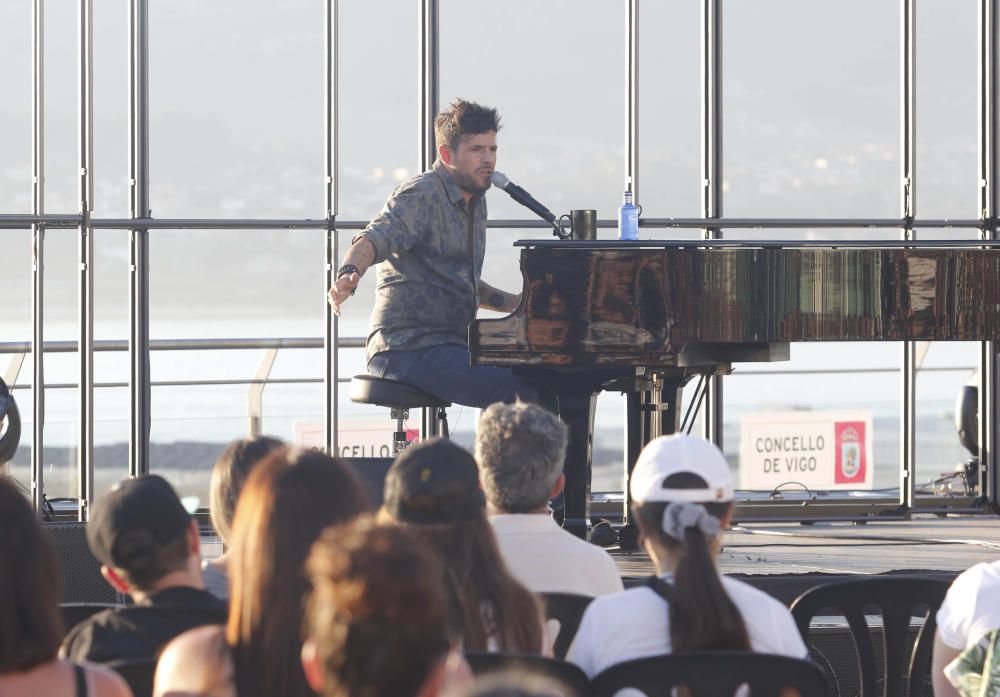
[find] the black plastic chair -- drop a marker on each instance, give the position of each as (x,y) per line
(566,673)
(712,674)
(568,609)
(898,600)
(75,613)
(138,674)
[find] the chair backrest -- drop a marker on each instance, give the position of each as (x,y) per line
(75,613)
(898,599)
(712,674)
(568,609)
(138,674)
(568,674)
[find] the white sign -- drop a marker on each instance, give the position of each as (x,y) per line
(820,449)
(357,437)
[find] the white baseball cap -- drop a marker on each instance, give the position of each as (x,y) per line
(676,454)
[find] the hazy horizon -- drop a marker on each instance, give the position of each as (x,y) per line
(811,112)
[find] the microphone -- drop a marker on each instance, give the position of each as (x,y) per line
(521,196)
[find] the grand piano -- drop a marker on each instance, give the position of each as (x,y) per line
(644,317)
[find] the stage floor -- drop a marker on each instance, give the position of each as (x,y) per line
(785,559)
(925,543)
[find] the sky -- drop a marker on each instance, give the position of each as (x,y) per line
(810,117)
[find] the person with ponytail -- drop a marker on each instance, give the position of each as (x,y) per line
(682,495)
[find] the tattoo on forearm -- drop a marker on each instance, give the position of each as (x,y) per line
(361,254)
(368,254)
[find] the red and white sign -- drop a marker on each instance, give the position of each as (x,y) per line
(357,437)
(850,451)
(821,450)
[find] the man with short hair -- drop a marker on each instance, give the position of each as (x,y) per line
(429,243)
(148,546)
(521,449)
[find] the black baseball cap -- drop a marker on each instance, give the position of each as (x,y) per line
(434,482)
(134,518)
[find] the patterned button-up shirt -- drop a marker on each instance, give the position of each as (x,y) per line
(429,248)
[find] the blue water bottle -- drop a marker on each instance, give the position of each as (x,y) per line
(628,217)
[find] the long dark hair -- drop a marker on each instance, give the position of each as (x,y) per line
(285,505)
(433,489)
(485,602)
(30,625)
(702,615)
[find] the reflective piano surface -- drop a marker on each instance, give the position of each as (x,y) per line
(591,313)
(595,303)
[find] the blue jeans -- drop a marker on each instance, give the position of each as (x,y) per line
(445,372)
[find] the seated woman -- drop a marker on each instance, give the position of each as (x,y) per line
(683,496)
(433,489)
(377,618)
(229,474)
(969,613)
(287,502)
(30,626)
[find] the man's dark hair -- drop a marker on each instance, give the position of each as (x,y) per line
(152,559)
(140,529)
(461,119)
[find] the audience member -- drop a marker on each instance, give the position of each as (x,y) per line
(288,500)
(519,684)
(377,617)
(228,476)
(520,449)
(148,546)
(683,497)
(970,611)
(433,489)
(30,626)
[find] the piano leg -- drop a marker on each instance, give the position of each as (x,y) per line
(576,409)
(650,412)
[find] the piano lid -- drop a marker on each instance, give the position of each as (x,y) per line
(646,303)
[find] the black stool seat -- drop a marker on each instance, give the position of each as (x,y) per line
(383,392)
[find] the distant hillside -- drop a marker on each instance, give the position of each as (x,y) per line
(182,455)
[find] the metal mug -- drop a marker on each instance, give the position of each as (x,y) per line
(583,224)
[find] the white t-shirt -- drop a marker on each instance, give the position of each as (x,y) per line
(635,624)
(971,609)
(216,580)
(547,559)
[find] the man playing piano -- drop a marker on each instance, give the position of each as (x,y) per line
(429,243)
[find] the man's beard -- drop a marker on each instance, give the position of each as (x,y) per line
(469,183)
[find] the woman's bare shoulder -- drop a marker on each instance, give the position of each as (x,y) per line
(106,682)
(197,641)
(196,662)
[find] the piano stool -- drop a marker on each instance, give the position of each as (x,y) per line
(399,397)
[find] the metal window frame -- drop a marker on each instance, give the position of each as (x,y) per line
(712,222)
(85,86)
(139,382)
(38,250)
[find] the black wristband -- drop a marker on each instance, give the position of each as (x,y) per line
(346,270)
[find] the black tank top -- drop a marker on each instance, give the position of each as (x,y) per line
(81,680)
